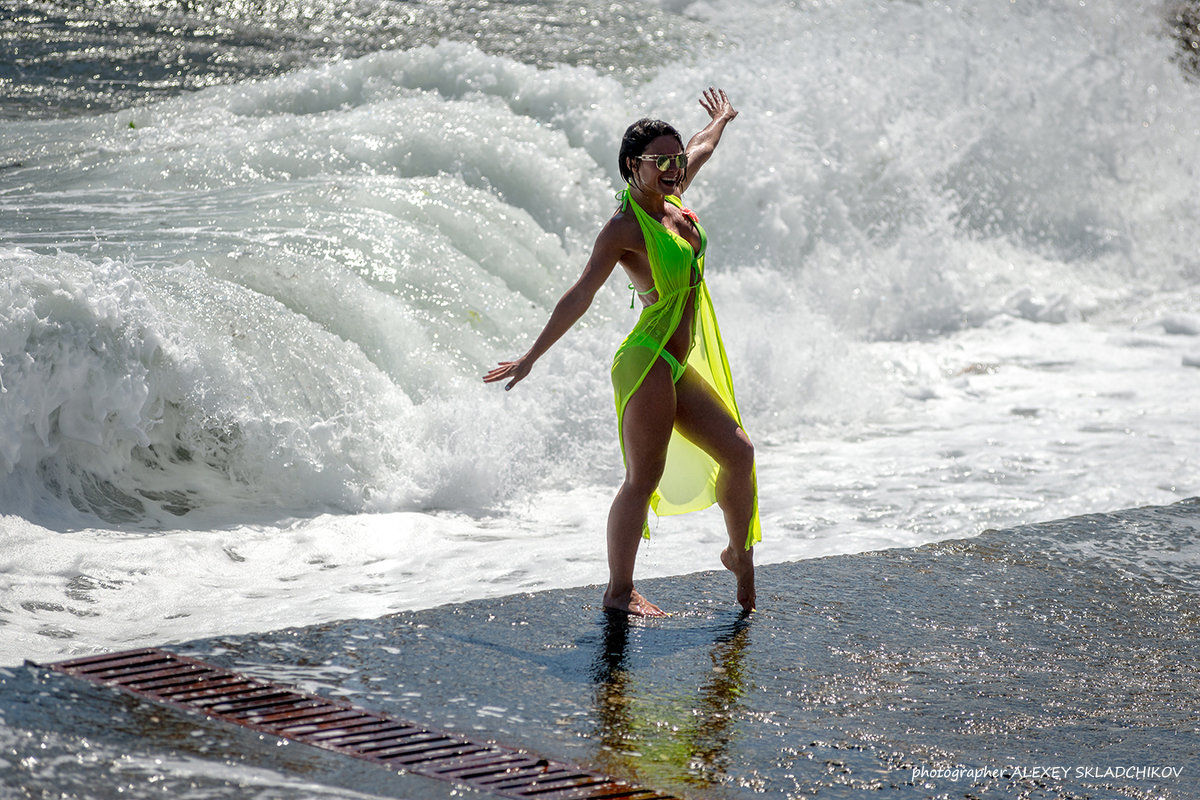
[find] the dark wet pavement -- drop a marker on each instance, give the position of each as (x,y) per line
(1057,660)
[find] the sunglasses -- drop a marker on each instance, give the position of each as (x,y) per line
(664,163)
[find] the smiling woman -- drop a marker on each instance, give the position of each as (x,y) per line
(680,430)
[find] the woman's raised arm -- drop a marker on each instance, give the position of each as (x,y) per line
(701,146)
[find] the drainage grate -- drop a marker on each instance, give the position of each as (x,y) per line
(193,685)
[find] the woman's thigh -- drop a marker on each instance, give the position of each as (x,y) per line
(702,417)
(646,426)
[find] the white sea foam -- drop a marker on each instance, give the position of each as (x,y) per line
(952,255)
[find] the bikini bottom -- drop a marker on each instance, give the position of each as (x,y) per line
(644,340)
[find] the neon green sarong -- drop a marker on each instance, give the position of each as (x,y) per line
(689,480)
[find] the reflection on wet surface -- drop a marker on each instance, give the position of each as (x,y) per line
(689,733)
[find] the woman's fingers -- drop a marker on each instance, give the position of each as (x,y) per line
(498,373)
(513,369)
(716,103)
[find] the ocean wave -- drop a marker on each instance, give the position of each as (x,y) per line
(282,292)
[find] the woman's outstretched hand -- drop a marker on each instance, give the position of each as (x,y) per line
(717,104)
(509,369)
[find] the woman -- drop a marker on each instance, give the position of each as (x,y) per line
(679,426)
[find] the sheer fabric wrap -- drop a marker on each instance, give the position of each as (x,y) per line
(689,479)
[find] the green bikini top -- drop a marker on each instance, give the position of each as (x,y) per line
(675,267)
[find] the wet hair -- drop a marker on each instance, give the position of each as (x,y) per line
(637,137)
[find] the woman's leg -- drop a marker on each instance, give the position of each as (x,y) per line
(705,421)
(646,428)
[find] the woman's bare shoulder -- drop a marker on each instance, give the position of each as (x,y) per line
(620,232)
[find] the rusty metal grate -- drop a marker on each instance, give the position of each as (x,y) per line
(193,685)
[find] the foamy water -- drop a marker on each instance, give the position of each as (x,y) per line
(953,255)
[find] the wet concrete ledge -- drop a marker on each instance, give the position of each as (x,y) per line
(1052,660)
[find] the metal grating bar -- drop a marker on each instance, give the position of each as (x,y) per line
(237,697)
(358,732)
(183,683)
(192,685)
(98,663)
(336,721)
(198,690)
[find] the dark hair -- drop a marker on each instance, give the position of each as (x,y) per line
(637,137)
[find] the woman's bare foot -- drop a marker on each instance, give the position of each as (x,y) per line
(633,603)
(741,564)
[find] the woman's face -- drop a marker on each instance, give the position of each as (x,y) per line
(649,177)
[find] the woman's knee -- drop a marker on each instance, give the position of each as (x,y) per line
(641,483)
(739,457)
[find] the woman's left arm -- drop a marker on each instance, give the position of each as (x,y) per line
(701,146)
